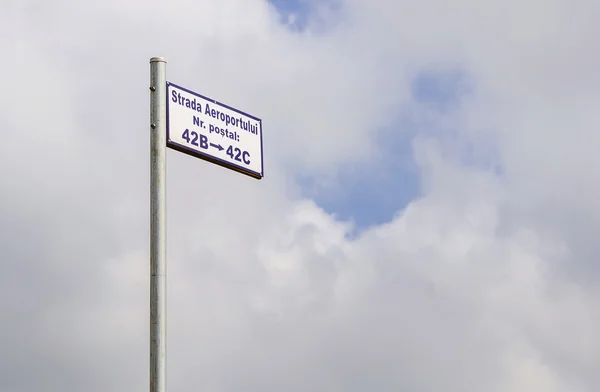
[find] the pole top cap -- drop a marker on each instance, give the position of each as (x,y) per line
(158,60)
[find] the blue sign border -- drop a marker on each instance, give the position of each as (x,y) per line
(207,157)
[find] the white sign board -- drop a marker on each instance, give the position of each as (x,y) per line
(207,129)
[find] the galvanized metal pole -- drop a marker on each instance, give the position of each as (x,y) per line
(158,233)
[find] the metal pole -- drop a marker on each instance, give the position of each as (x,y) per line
(158,233)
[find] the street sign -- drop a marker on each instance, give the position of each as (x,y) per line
(209,130)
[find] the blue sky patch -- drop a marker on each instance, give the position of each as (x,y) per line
(293,13)
(440,90)
(297,14)
(372,194)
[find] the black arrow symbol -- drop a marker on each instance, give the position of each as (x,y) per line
(217,146)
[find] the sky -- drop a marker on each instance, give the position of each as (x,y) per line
(427,222)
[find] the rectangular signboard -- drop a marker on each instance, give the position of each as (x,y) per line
(210,130)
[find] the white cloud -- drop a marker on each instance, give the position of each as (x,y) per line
(485,282)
